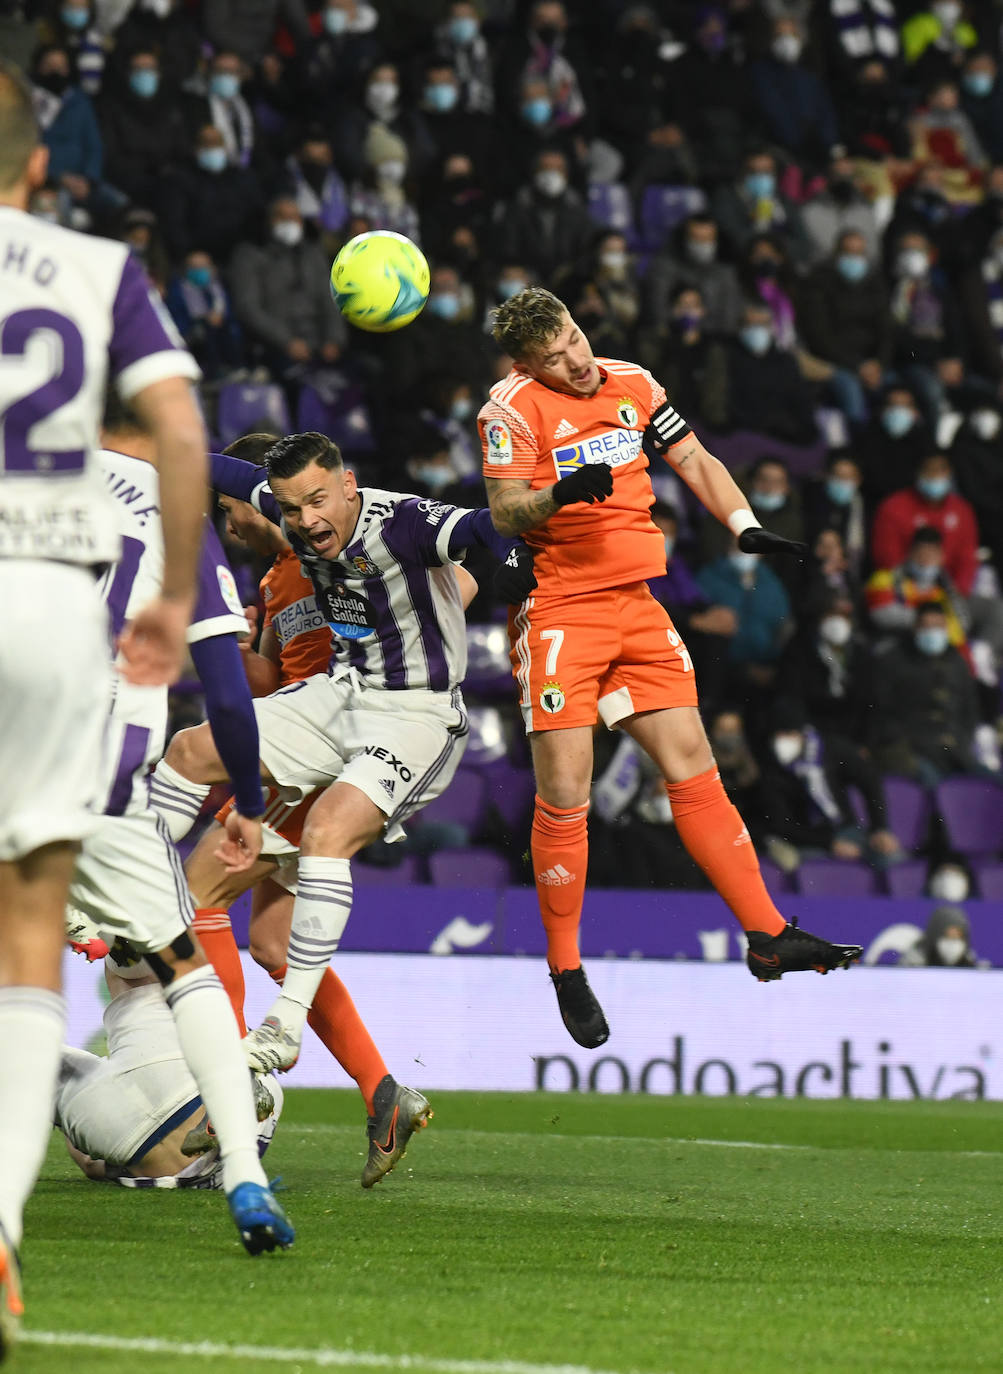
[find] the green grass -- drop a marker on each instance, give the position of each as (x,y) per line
(602,1231)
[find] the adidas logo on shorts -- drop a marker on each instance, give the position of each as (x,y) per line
(387,786)
(557,876)
(564,429)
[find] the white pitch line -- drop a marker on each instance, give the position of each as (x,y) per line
(320,1359)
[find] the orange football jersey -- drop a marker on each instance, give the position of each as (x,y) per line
(529,431)
(304,636)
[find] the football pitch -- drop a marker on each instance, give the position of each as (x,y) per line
(526,1233)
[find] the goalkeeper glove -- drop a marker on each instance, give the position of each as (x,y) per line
(757,540)
(589,483)
(514,579)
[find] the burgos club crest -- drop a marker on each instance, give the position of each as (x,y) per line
(552,698)
(626,412)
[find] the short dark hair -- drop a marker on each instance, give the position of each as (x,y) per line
(926,534)
(289,456)
(251,448)
(19,133)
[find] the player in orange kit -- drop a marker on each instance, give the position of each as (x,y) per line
(564,438)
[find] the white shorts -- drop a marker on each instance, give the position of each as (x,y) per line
(130,881)
(55,691)
(399,748)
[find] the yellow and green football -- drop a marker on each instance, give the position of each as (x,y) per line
(379,281)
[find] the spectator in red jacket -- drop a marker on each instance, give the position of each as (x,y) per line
(931,501)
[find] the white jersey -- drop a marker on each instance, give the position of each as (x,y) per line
(138,725)
(74,311)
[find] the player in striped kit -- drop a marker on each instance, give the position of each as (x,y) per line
(564,438)
(383,731)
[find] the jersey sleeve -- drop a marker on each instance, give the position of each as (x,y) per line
(145,346)
(680,428)
(217,603)
(510,447)
(419,531)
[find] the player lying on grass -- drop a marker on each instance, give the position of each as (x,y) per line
(564,438)
(128,875)
(126,1116)
(381,732)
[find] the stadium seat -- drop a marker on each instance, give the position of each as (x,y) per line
(778,883)
(743,447)
(834,878)
(487,742)
(972,812)
(909,808)
(244,407)
(610,207)
(663,207)
(989,881)
(409,870)
(475,867)
(509,792)
(341,413)
(488,668)
(906,880)
(464,802)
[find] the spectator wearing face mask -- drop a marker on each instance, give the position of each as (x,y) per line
(840,209)
(460,40)
(766,392)
(712,95)
(222,104)
(666,159)
(547,49)
(690,361)
(925,705)
(753,204)
(312,179)
(892,444)
(144,130)
(932,501)
(70,132)
(282,297)
(693,259)
(165,27)
(765,275)
(380,196)
(546,223)
(326,67)
(982,101)
(831,663)
(835,502)
(381,110)
(945,943)
(795,105)
(634,78)
(446,337)
(451,128)
(858,33)
(873,115)
(73,27)
(427,462)
(807,774)
(449,407)
(978,472)
(200,307)
(927,338)
(935,41)
(210,203)
(943,133)
(895,594)
(762,608)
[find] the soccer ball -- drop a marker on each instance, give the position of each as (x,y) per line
(379,281)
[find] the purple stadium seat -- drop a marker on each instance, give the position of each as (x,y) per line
(972,812)
(464,802)
(663,207)
(510,792)
(409,870)
(610,207)
(906,880)
(834,878)
(989,880)
(487,742)
(341,413)
(778,883)
(245,407)
(469,868)
(741,449)
(909,809)
(488,668)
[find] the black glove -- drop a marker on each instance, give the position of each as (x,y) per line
(514,579)
(664,428)
(756,540)
(591,482)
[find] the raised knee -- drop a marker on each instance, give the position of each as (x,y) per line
(186,752)
(267,952)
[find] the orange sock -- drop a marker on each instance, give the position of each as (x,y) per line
(336,1021)
(560,848)
(716,837)
(212,926)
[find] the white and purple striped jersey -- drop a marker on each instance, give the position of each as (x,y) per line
(74,311)
(138,722)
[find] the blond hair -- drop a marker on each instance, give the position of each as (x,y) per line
(527,321)
(19,134)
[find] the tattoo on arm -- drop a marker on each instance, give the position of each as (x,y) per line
(514,508)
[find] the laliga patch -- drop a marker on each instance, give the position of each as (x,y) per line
(499,442)
(228,589)
(552,698)
(627,412)
(348,614)
(614,447)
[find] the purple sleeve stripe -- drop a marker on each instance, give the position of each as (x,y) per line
(141,326)
(475,527)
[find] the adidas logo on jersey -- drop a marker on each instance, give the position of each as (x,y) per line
(387,786)
(558,876)
(564,429)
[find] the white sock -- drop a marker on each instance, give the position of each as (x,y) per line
(211,1045)
(177,799)
(31,1043)
(320,914)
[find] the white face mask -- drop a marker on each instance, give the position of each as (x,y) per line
(787,748)
(787,47)
(986,424)
(951,949)
(835,629)
(550,182)
(949,885)
(948,12)
(288,232)
(393,171)
(913,263)
(382,95)
(614,262)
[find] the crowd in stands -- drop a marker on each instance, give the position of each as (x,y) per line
(791,212)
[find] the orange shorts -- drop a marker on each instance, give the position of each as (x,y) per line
(602,655)
(281,818)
